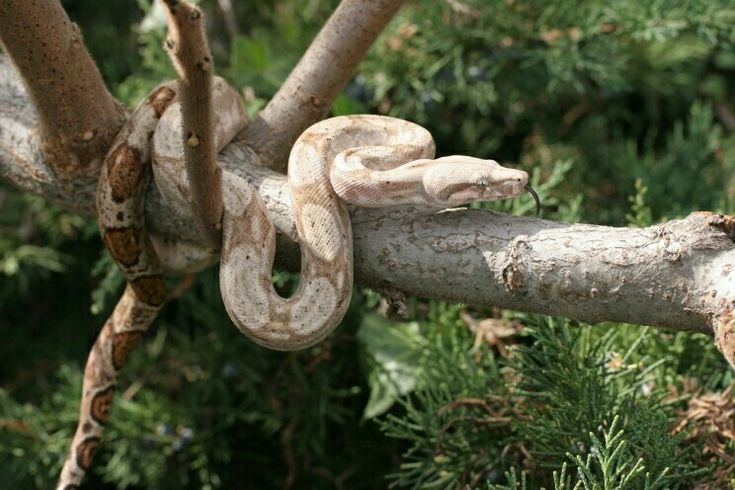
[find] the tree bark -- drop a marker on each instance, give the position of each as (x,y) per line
(321,74)
(188,48)
(78,117)
(678,274)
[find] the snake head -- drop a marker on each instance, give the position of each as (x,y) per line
(458,180)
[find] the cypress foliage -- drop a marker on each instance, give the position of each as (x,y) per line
(621,111)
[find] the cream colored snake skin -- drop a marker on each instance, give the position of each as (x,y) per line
(364,160)
(372,161)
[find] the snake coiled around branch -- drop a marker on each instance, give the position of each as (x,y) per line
(363,160)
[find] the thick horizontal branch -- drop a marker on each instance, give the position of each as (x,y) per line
(323,71)
(678,274)
(78,116)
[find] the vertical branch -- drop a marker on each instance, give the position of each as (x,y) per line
(79,117)
(228,15)
(187,46)
(328,64)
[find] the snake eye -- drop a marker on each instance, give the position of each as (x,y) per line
(482,183)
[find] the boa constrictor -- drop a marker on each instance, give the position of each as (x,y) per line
(363,160)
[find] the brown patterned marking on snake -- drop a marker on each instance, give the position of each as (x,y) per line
(151,290)
(123,244)
(85,452)
(124,171)
(121,195)
(160,99)
(122,344)
(100,406)
(98,374)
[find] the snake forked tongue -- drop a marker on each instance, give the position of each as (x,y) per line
(531,191)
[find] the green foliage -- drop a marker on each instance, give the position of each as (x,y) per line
(391,353)
(33,234)
(620,111)
(640,214)
(576,384)
(456,422)
(609,464)
(625,90)
(469,418)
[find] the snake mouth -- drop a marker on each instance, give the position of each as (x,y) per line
(531,191)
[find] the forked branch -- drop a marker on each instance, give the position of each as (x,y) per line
(78,116)
(324,70)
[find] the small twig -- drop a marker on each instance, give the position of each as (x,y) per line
(25,376)
(187,46)
(228,14)
(463,9)
(17,425)
(482,474)
(466,402)
(288,452)
(132,390)
(478,421)
(325,355)
(492,417)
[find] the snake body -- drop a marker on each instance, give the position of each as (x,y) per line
(123,181)
(363,160)
(122,187)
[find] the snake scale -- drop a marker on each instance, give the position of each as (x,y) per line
(363,160)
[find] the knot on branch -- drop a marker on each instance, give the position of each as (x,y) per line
(395,301)
(724,223)
(724,328)
(514,272)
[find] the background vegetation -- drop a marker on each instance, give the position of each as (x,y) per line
(622,111)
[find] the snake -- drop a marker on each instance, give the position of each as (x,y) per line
(361,160)
(357,160)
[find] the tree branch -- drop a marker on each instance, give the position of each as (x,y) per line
(78,116)
(328,64)
(679,274)
(228,16)
(189,51)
